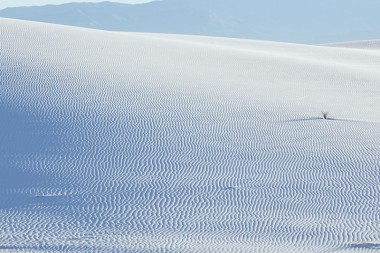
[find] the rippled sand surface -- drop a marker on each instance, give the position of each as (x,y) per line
(132,142)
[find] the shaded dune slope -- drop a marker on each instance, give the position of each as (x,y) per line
(128,142)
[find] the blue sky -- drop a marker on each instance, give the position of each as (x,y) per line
(15,3)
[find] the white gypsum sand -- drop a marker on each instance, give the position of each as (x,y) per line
(365,44)
(132,142)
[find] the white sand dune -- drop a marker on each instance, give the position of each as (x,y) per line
(365,44)
(128,142)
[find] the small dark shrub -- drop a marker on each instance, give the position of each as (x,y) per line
(325,115)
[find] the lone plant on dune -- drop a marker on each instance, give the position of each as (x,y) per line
(325,115)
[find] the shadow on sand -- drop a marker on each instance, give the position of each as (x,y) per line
(304,119)
(364,246)
(329,119)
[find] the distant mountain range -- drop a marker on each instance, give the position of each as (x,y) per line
(299,21)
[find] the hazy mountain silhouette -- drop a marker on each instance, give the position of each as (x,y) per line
(302,21)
